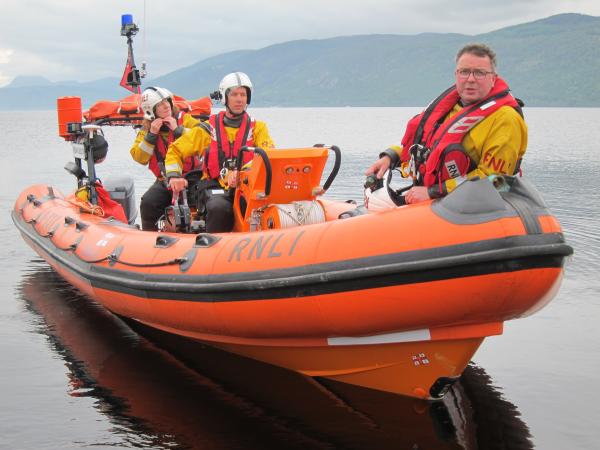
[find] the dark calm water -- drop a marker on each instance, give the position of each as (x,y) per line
(73,376)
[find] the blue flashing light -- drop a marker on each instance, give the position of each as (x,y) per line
(126,19)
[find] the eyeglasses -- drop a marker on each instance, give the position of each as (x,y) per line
(478,74)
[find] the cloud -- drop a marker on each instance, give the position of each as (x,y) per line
(61,39)
(5,54)
(4,79)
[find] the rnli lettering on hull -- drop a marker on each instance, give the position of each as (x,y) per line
(252,248)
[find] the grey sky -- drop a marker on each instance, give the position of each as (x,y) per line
(67,40)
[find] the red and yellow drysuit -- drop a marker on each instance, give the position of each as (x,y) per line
(458,143)
(216,142)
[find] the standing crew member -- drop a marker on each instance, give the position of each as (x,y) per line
(162,124)
(218,141)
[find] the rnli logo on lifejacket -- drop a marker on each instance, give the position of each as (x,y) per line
(452,168)
(465,124)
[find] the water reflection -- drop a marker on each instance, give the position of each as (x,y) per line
(164,392)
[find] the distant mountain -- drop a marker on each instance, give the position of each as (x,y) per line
(28,81)
(549,62)
(32,92)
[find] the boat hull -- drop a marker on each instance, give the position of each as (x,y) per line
(350,300)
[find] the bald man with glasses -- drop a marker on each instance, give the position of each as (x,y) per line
(473,129)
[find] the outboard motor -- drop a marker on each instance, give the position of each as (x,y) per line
(122,190)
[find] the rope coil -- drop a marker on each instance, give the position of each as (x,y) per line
(85,206)
(300,213)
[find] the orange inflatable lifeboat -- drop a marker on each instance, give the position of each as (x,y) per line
(397,300)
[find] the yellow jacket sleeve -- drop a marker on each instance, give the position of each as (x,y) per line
(497,144)
(189,122)
(195,141)
(261,137)
(142,150)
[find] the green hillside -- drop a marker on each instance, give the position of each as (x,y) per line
(550,62)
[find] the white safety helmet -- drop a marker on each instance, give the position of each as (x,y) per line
(378,200)
(151,97)
(231,81)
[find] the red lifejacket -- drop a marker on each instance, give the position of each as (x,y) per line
(160,151)
(435,145)
(220,148)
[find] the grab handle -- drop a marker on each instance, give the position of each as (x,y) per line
(265,158)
